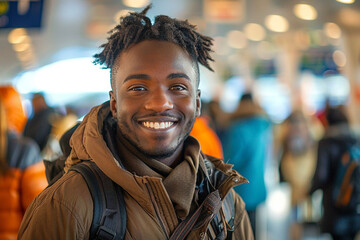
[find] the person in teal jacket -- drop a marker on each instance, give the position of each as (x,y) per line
(247,143)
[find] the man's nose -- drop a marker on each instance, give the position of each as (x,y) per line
(159,101)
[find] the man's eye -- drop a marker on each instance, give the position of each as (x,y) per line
(137,88)
(178,88)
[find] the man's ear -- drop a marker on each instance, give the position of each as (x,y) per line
(198,103)
(112,103)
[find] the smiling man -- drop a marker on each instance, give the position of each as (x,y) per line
(140,140)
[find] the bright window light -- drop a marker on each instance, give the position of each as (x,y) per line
(278,202)
(77,75)
(274,97)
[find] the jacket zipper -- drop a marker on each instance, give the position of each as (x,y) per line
(151,193)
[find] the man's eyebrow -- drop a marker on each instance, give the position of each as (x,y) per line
(137,76)
(178,75)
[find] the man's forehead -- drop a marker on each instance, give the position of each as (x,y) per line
(150,50)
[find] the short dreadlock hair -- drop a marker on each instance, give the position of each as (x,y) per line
(137,27)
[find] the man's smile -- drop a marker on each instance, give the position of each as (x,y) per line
(157,125)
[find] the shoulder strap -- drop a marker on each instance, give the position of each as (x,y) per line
(222,226)
(109,220)
(228,213)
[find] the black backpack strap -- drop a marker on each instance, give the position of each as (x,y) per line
(228,213)
(222,225)
(109,220)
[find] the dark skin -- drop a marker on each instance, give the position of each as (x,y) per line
(155,99)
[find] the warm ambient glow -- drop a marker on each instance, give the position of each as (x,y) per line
(349,17)
(346,1)
(276,23)
(236,39)
(136,3)
(254,32)
(305,11)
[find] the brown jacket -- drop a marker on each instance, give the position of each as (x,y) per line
(65,210)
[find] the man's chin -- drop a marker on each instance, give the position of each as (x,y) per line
(158,154)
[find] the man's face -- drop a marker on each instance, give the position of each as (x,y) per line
(155,100)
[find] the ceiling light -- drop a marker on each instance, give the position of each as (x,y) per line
(346,1)
(339,58)
(17,35)
(276,23)
(136,3)
(254,32)
(305,11)
(332,30)
(236,39)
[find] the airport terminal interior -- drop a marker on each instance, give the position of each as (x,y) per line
(293,55)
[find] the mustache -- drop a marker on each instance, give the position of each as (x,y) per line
(162,114)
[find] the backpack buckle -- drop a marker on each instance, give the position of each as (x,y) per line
(104,233)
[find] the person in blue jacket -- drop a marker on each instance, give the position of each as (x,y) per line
(247,142)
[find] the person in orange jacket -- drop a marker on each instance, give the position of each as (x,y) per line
(22,172)
(209,141)
(14,109)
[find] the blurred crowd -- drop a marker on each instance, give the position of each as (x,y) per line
(304,153)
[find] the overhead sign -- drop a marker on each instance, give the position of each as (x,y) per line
(21,13)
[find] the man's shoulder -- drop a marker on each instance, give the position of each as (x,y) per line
(63,209)
(70,190)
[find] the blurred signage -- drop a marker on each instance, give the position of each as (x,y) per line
(224,10)
(21,13)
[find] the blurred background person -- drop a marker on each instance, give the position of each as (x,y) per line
(209,141)
(16,115)
(60,123)
(38,126)
(342,225)
(247,143)
(297,166)
(22,173)
(203,131)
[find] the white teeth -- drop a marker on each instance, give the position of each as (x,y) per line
(158,125)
